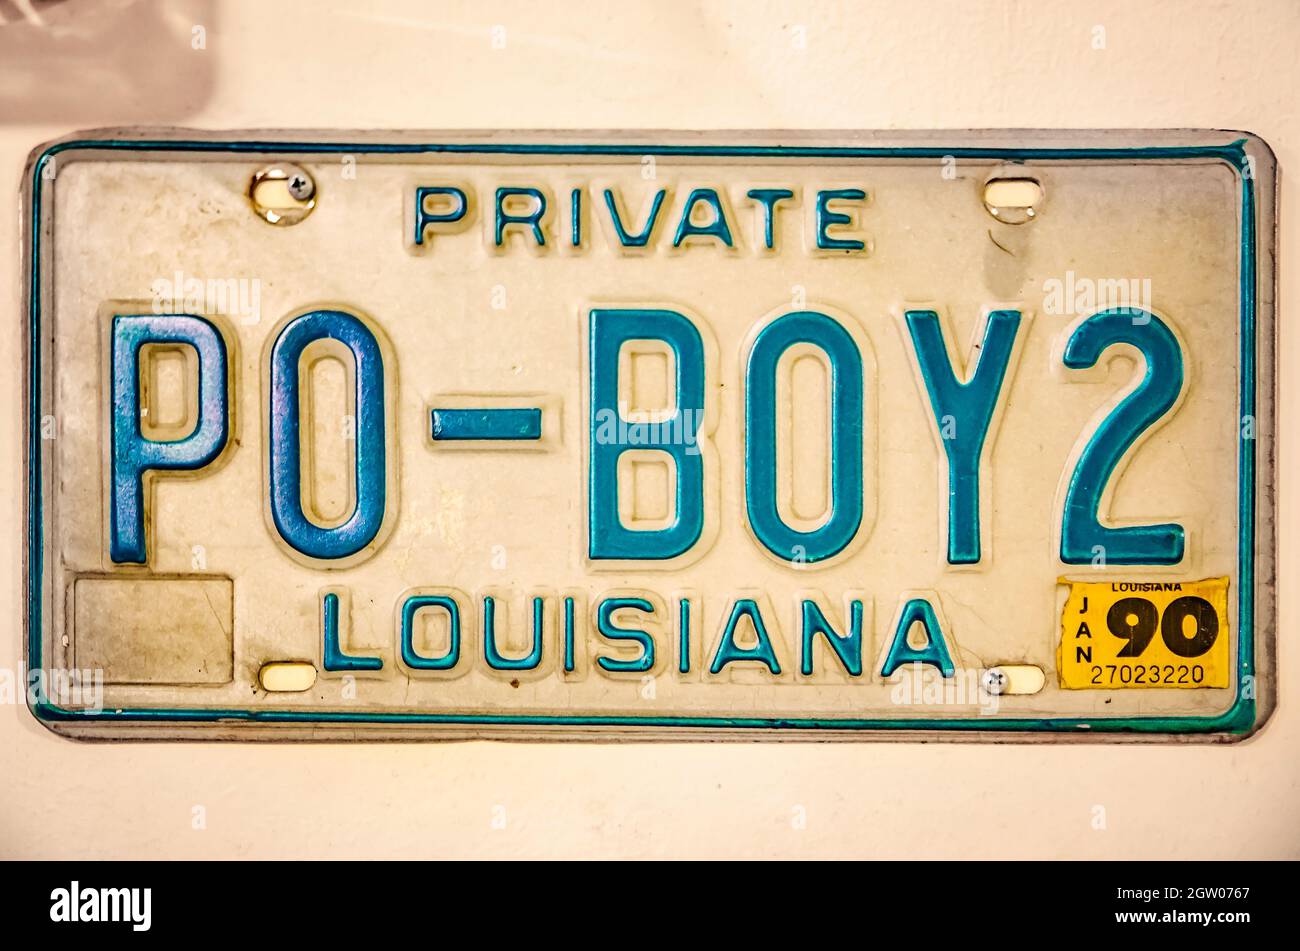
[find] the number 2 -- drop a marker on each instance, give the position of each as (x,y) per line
(1082,534)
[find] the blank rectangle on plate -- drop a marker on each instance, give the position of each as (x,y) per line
(154,630)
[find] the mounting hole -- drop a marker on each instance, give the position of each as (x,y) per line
(1013,199)
(282,194)
(286,676)
(1013,680)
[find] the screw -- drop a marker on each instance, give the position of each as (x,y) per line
(301,186)
(995,681)
(272,204)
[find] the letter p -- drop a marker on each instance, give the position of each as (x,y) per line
(132,454)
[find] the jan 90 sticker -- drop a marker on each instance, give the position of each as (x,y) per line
(1122,634)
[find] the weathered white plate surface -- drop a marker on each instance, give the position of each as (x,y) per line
(734,469)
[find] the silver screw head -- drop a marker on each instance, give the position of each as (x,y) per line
(995,681)
(301,186)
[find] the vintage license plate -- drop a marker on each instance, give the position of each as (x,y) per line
(800,435)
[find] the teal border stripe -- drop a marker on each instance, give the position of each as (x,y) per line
(1238,719)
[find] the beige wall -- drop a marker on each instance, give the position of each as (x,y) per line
(912,64)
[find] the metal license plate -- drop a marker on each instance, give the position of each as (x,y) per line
(799,435)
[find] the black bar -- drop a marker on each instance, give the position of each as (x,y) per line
(989,902)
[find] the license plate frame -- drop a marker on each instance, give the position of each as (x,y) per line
(1247,154)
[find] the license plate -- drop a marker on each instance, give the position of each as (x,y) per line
(948,434)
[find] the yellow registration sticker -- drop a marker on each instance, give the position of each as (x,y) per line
(1119,634)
